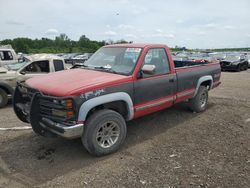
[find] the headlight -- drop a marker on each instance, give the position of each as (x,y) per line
(68,103)
(66,111)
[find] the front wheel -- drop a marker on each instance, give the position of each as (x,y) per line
(246,67)
(3,98)
(199,102)
(104,132)
(238,68)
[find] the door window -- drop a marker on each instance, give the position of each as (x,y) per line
(58,64)
(37,67)
(158,58)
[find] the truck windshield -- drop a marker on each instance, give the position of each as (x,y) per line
(232,58)
(118,60)
(15,66)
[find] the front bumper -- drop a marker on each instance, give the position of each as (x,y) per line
(73,131)
(229,67)
(36,109)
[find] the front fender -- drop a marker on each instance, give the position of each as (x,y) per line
(119,96)
(7,86)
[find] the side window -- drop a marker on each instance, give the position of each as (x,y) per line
(37,67)
(9,55)
(158,58)
(1,55)
(6,55)
(58,65)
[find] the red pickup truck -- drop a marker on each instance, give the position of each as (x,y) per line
(117,84)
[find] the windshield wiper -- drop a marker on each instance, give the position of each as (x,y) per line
(104,68)
(79,65)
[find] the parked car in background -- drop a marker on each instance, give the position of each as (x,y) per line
(68,58)
(74,58)
(218,55)
(81,58)
(234,62)
(35,65)
(7,55)
(248,60)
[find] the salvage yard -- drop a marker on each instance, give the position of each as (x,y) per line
(171,148)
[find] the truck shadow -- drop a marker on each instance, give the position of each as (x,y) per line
(42,159)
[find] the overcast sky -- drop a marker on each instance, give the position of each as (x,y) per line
(190,23)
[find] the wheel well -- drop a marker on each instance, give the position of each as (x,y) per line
(207,84)
(5,89)
(118,106)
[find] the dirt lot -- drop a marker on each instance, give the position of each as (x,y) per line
(171,148)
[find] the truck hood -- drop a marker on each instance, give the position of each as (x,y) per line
(7,74)
(75,81)
(3,70)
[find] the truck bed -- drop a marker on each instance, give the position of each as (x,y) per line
(188,63)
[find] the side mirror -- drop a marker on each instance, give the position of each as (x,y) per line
(22,72)
(148,69)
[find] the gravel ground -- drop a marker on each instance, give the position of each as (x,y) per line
(171,148)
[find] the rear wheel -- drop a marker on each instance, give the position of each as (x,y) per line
(104,132)
(199,102)
(3,98)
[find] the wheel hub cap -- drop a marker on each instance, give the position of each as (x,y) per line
(203,100)
(108,134)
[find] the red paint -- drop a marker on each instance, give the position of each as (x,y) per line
(154,101)
(75,81)
(181,97)
(139,113)
(189,69)
(175,99)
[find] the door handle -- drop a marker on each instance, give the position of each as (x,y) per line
(171,80)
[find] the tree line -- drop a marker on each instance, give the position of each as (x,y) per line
(61,44)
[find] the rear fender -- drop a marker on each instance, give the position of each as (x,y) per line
(201,80)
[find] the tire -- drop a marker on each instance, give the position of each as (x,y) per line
(246,67)
(3,98)
(16,99)
(200,101)
(238,68)
(96,136)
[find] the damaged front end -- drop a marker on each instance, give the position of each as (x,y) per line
(49,116)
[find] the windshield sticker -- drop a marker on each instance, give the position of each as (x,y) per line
(134,50)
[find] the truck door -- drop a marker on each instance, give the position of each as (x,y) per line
(155,91)
(36,68)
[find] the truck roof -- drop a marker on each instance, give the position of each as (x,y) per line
(137,45)
(37,57)
(6,47)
